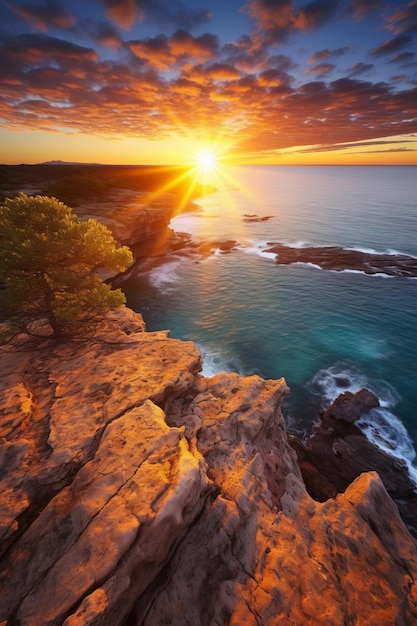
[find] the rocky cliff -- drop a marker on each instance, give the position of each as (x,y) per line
(135,491)
(132,217)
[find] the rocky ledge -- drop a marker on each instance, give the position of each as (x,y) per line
(134,491)
(338,452)
(132,217)
(340,259)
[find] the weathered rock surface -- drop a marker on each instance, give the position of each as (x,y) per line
(340,259)
(135,491)
(132,217)
(338,452)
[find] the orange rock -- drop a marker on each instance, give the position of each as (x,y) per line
(132,488)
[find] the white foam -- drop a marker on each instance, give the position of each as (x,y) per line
(376,275)
(346,271)
(385,430)
(307,264)
(380,425)
(165,275)
(214,362)
(364,250)
(389,252)
(301,244)
(258,248)
(343,376)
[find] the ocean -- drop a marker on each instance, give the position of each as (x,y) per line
(326,332)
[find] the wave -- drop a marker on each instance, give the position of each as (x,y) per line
(308,264)
(318,267)
(335,258)
(376,275)
(257,247)
(300,244)
(381,426)
(215,363)
(163,276)
(347,271)
(389,252)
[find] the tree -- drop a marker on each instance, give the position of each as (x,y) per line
(49,263)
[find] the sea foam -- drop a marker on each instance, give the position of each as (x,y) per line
(165,275)
(215,363)
(258,247)
(380,425)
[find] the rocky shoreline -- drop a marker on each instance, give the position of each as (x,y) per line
(342,259)
(338,452)
(137,492)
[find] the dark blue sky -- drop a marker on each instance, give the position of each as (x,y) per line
(273,76)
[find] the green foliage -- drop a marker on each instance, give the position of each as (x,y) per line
(49,263)
(78,186)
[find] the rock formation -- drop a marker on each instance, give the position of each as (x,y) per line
(134,491)
(132,217)
(338,452)
(340,259)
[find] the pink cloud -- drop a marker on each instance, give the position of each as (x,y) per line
(51,13)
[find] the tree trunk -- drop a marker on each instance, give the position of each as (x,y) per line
(50,314)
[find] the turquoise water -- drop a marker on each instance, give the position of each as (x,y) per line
(325,332)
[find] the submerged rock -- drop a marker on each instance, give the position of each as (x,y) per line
(134,491)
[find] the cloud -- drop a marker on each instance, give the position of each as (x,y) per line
(272,16)
(182,82)
(316,14)
(32,49)
(174,13)
(404,20)
(339,111)
(277,19)
(391,46)
(361,8)
(186,87)
(106,35)
(260,112)
(274,78)
(165,53)
(321,55)
(321,69)
(281,62)
(245,55)
(203,47)
(125,13)
(363,144)
(360,68)
(44,14)
(389,150)
(156,51)
(222,72)
(402,57)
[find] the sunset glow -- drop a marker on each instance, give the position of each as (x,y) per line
(206,160)
(139,82)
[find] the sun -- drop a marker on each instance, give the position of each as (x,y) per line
(206,160)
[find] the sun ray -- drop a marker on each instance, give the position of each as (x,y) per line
(206,160)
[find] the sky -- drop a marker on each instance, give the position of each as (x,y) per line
(257,81)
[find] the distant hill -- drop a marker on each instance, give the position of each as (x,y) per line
(66,163)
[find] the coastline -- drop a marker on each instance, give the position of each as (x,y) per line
(185,496)
(177,487)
